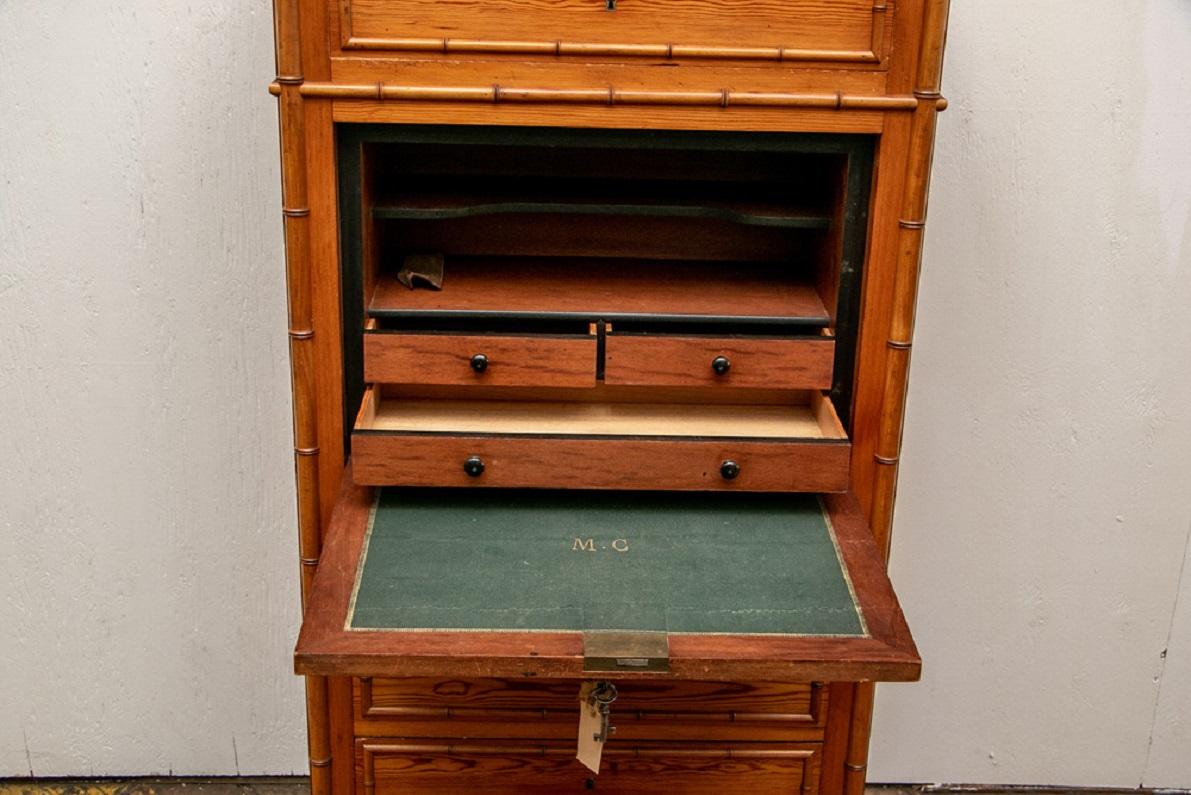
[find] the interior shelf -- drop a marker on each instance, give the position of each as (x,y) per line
(609,290)
(749,205)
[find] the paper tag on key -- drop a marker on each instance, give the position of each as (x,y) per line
(592,727)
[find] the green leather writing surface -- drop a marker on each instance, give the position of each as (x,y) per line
(524,560)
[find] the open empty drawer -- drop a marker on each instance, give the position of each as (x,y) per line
(400,441)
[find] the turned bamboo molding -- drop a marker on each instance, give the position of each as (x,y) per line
(564,48)
(608,96)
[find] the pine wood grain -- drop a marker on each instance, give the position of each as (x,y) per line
(593,71)
(898,310)
(608,288)
(445,359)
(507,417)
(907,40)
(546,709)
(325,647)
(292,116)
(660,360)
(494,766)
(644,699)
(835,737)
(341,731)
(537,444)
(821,112)
(821,25)
(860,120)
(605,393)
(399,459)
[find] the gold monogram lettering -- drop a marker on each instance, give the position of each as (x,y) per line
(589,545)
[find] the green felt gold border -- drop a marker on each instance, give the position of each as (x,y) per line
(364,547)
(351,605)
(843,568)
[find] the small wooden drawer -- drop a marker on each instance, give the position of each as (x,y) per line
(773,31)
(643,710)
(585,445)
(479,359)
(414,766)
(751,362)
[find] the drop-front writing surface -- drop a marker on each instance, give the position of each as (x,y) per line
(603,561)
(428,582)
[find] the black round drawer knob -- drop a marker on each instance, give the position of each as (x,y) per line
(721,365)
(479,362)
(729,470)
(474,466)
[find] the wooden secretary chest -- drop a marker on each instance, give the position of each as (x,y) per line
(600,318)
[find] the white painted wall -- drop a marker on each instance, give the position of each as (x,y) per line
(147,578)
(1045,496)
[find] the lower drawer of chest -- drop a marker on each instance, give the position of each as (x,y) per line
(397,765)
(549,709)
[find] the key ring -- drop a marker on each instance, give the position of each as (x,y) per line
(604,693)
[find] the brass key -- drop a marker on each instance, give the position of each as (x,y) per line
(603,695)
(595,701)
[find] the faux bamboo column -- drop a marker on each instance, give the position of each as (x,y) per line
(296,213)
(912,224)
(911,227)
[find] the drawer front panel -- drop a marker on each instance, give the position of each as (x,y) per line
(766,30)
(640,360)
(480,359)
(398,459)
(644,710)
(797,701)
(415,766)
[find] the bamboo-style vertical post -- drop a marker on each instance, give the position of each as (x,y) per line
(318,735)
(856,760)
(911,227)
(296,214)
